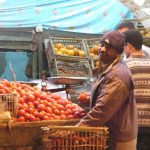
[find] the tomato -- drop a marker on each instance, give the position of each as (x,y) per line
(60,107)
(2,91)
(21,119)
(37,93)
(49,99)
(45,102)
(46,117)
(49,110)
(63,117)
(84,97)
(70,116)
(69,106)
(30,98)
(27,115)
(1,86)
(24,97)
(30,110)
(36,103)
(25,106)
(68,111)
(56,117)
(36,114)
(62,112)
(6,89)
(31,118)
(43,96)
(6,82)
(49,104)
(56,111)
(21,100)
(21,112)
(55,96)
(35,87)
(62,102)
(41,107)
(20,106)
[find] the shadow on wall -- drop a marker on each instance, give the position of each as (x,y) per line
(18,60)
(2,63)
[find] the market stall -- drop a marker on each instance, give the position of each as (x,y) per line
(27,109)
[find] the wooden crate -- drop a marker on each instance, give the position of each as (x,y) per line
(9,102)
(26,134)
(75,138)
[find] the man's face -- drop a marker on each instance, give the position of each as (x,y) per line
(107,53)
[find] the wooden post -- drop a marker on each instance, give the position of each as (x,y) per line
(40,53)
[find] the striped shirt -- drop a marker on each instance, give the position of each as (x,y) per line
(140,68)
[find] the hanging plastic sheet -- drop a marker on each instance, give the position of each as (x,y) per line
(84,16)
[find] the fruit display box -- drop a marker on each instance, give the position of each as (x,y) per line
(70,68)
(92,46)
(74,138)
(24,134)
(9,102)
(67,48)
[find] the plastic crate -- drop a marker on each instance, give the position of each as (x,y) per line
(9,102)
(74,138)
(73,68)
(92,49)
(76,43)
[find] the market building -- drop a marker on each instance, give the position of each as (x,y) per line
(49,52)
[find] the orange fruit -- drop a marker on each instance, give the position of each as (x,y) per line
(70,47)
(59,45)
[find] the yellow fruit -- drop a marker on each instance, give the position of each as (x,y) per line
(70,52)
(59,53)
(96,50)
(97,64)
(55,49)
(76,52)
(91,50)
(82,53)
(63,50)
(92,55)
(70,47)
(59,45)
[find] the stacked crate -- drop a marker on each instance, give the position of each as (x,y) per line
(68,57)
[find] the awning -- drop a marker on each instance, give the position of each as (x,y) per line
(140,9)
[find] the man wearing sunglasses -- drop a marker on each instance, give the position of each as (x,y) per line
(112,96)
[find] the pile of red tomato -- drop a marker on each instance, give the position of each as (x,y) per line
(36,105)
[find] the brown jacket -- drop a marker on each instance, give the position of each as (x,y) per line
(113,103)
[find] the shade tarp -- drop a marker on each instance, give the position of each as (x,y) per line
(83,16)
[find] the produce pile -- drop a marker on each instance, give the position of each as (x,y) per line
(68,50)
(36,105)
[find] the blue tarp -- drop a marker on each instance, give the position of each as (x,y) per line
(84,16)
(18,62)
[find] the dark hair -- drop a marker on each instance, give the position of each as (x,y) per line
(134,38)
(124,24)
